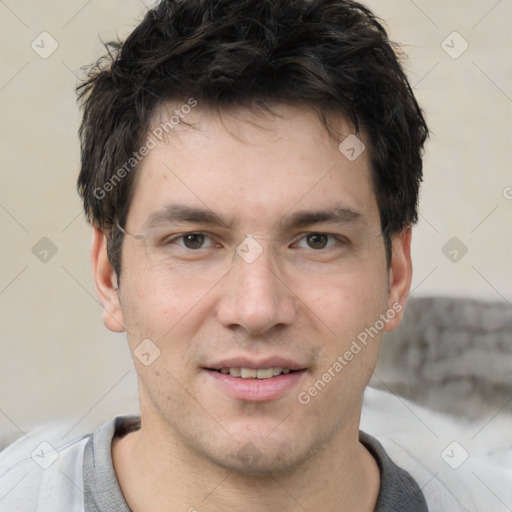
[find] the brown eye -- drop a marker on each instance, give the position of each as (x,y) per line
(193,240)
(317,240)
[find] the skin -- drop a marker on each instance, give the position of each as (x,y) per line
(252,169)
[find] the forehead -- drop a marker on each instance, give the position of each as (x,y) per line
(250,165)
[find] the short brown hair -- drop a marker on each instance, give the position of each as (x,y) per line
(333,55)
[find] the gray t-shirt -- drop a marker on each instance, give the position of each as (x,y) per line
(399,492)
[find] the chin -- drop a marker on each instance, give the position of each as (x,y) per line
(261,457)
(250,461)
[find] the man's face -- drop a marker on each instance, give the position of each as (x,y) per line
(295,295)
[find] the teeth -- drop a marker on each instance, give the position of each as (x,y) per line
(248,373)
(265,373)
(251,373)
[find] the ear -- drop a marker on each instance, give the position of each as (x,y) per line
(400,277)
(106,282)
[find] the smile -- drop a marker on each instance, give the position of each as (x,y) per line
(253,373)
(256,384)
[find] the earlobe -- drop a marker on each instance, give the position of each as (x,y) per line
(400,276)
(106,282)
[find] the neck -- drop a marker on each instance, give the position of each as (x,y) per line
(158,472)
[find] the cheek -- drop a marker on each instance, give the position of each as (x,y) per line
(346,300)
(155,300)
(146,314)
(170,313)
(342,311)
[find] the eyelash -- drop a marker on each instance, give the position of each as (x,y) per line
(303,236)
(181,237)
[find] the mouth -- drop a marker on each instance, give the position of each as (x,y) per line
(254,373)
(256,383)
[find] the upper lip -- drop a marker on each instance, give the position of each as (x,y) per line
(256,363)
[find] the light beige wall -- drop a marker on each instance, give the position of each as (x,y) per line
(56,356)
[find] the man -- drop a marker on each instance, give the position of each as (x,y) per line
(251,172)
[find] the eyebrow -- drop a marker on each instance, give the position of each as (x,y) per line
(183,214)
(338,215)
(178,213)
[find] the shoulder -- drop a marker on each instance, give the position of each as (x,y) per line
(45,470)
(458,465)
(398,489)
(42,471)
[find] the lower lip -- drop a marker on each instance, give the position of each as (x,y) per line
(257,390)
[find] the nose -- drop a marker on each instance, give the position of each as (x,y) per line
(254,295)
